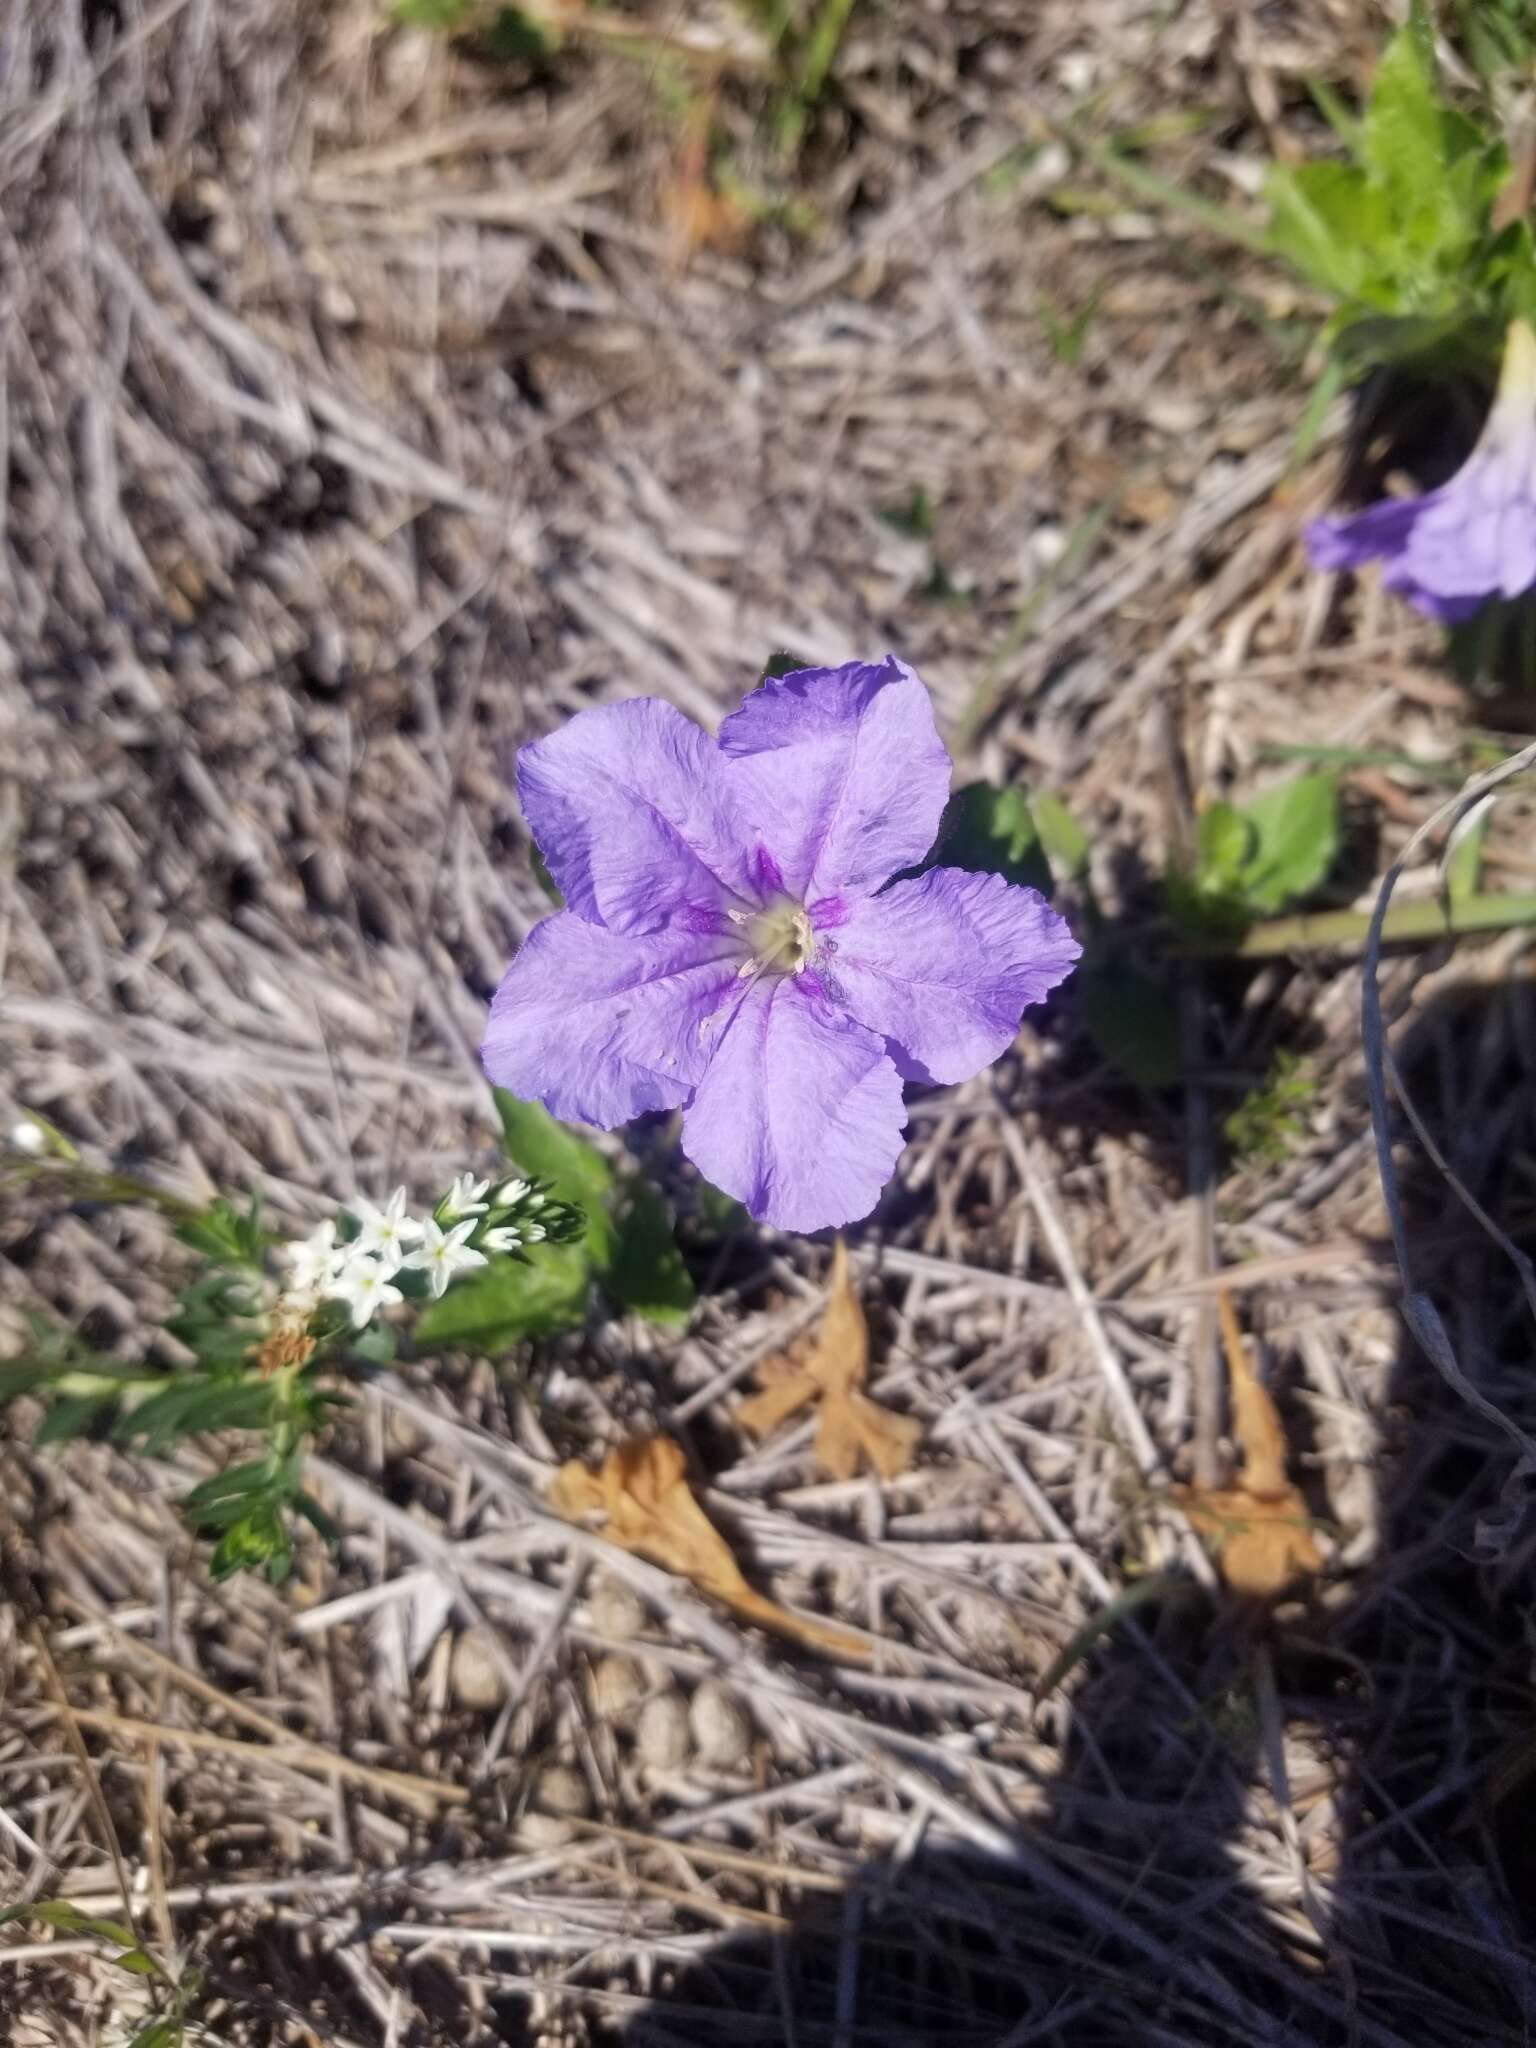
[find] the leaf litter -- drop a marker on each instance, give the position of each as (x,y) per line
(831,1369)
(1260,1528)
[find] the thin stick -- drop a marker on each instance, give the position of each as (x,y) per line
(294,1754)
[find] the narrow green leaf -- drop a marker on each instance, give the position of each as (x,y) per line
(73,1416)
(1401,143)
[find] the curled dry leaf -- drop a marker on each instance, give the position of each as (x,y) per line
(833,1370)
(1260,1528)
(642,1490)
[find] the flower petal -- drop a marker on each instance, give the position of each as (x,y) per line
(839,773)
(599,1026)
(1381,529)
(800,1114)
(1476,535)
(942,967)
(628,806)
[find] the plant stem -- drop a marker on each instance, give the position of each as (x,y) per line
(1406,923)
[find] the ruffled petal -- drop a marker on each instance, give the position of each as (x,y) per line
(800,1114)
(599,1026)
(839,774)
(943,966)
(628,806)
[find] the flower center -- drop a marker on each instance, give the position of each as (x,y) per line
(780,937)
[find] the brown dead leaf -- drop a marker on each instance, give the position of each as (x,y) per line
(698,215)
(642,1490)
(833,1369)
(1260,1528)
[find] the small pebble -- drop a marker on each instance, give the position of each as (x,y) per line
(722,1731)
(545,1830)
(662,1737)
(616,1611)
(617,1684)
(474,1674)
(562,1789)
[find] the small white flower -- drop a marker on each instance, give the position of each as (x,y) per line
(386,1231)
(365,1287)
(463,1198)
(509,1194)
(444,1253)
(28,1136)
(533,1233)
(504,1238)
(314,1260)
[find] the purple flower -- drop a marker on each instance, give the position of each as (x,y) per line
(1473,538)
(730,948)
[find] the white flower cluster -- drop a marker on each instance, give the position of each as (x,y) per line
(361,1271)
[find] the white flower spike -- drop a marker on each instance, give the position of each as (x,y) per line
(315,1260)
(388,1230)
(366,1288)
(444,1253)
(504,1238)
(463,1198)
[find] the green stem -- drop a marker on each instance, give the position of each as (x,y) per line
(1406,923)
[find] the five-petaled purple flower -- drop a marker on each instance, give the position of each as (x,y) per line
(1473,538)
(730,947)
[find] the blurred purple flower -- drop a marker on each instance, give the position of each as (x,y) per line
(1475,537)
(730,949)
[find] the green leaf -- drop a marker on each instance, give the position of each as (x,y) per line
(73,1416)
(1224,838)
(648,1274)
(1296,830)
(444,15)
(1401,141)
(1132,1020)
(914,518)
(576,1171)
(509,1299)
(719,1213)
(513,37)
(138,1962)
(989,831)
(160,2034)
(67,1918)
(377,1345)
(1065,841)
(195,1404)
(225,1234)
(1464,868)
(1326,219)
(783,662)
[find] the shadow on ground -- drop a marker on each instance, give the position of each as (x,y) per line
(1137,1910)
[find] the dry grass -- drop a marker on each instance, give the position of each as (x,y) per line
(362,416)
